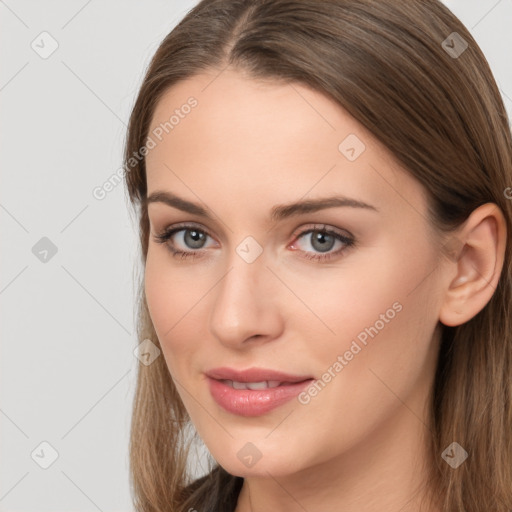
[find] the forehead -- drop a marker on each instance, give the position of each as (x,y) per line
(243,116)
(254,138)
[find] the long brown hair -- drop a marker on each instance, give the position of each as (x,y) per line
(388,64)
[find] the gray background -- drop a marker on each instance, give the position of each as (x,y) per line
(67,363)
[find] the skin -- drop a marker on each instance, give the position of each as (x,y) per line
(362,442)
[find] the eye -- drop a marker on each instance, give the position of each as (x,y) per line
(323,239)
(190,238)
(188,241)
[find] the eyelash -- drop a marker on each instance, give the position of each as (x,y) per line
(164,237)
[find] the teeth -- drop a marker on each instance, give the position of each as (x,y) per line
(253,385)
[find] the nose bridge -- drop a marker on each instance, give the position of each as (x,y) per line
(242,305)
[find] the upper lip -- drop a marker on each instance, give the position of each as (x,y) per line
(254,375)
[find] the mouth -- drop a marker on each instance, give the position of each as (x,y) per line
(255,386)
(255,391)
(255,375)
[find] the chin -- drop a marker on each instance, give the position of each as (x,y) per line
(247,459)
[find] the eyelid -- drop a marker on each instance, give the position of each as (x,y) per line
(318,226)
(187,225)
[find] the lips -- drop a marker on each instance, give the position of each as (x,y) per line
(255,391)
(255,375)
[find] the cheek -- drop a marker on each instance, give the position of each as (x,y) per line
(384,322)
(158,291)
(380,312)
(176,301)
(179,305)
(341,302)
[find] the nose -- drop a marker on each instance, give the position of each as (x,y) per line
(245,306)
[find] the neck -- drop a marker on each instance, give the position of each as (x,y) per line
(386,472)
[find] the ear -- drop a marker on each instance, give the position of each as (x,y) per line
(475,254)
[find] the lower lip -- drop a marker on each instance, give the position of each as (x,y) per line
(248,402)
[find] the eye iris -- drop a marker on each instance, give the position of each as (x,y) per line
(319,236)
(193,237)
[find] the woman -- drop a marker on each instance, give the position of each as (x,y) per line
(323,193)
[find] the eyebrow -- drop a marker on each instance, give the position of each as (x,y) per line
(278,212)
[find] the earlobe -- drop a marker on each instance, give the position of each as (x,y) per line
(478,265)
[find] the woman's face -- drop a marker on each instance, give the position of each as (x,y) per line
(254,293)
